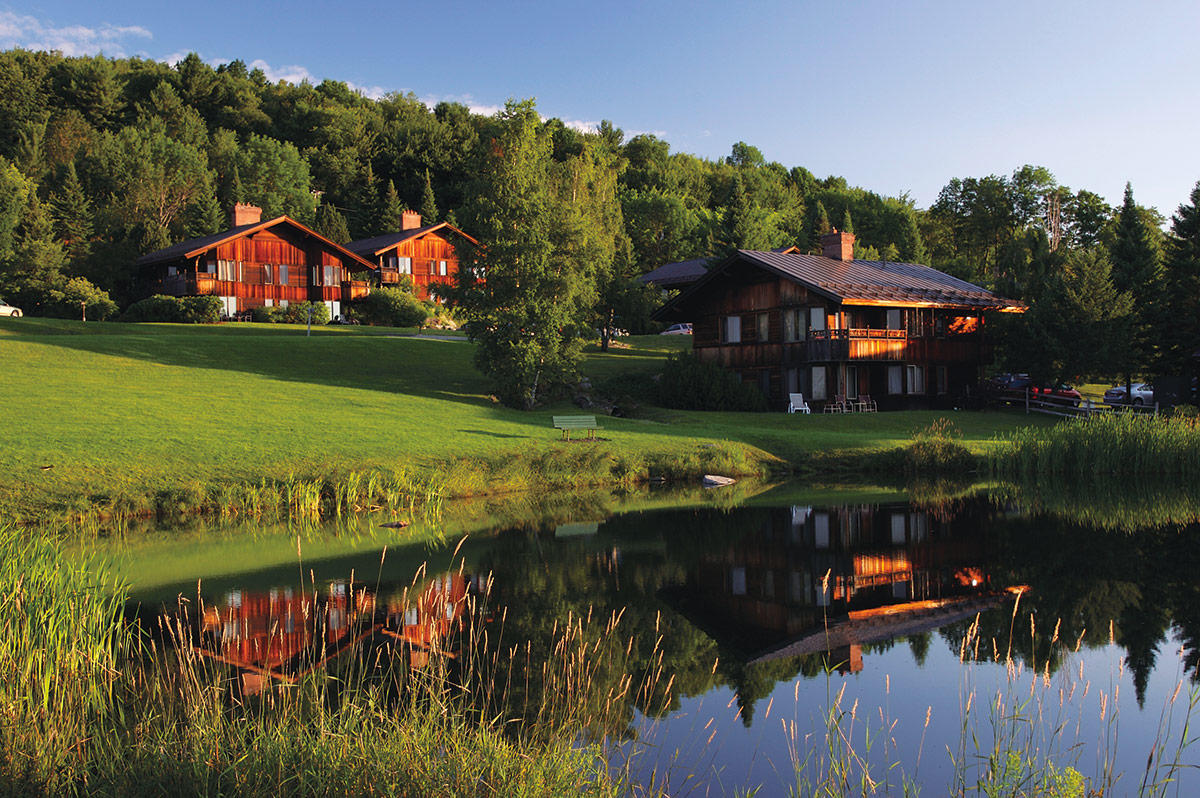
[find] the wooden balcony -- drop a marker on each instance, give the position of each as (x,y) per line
(847,345)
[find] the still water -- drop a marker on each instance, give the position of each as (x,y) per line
(764,631)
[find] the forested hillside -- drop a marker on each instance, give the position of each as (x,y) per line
(102,160)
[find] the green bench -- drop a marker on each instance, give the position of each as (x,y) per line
(568,423)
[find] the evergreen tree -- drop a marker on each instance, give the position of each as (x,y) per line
(1079,326)
(451,218)
(1137,270)
(847,222)
(37,260)
(821,225)
(429,208)
(331,224)
(390,216)
(74,219)
(1180,327)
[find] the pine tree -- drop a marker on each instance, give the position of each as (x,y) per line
(847,222)
(1180,326)
(820,227)
(429,208)
(74,218)
(451,219)
(331,224)
(1137,270)
(389,218)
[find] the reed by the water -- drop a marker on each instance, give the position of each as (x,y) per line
(1120,444)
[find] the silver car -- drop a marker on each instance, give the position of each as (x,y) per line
(1143,394)
(9,310)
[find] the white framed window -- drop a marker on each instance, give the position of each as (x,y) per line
(283,303)
(228,305)
(943,379)
(227,270)
(818,384)
(895,380)
(268,303)
(268,276)
(851,382)
(442,268)
(916,379)
(405,265)
(172,271)
(816,318)
(731,330)
(894,319)
(283,274)
(764,326)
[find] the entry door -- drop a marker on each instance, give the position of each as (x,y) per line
(851,382)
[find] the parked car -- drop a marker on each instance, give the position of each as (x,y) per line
(1059,394)
(1010,388)
(1143,394)
(9,310)
(678,329)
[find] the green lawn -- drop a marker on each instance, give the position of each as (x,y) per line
(104,408)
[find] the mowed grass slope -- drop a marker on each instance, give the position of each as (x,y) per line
(101,409)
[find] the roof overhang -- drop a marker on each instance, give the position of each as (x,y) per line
(425,232)
(287,220)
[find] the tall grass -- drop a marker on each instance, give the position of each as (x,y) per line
(93,704)
(1113,444)
(1022,739)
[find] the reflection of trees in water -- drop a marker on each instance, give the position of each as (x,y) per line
(1141,582)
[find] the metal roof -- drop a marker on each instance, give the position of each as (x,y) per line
(675,274)
(874,281)
(377,245)
(859,282)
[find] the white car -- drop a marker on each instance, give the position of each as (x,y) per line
(9,310)
(678,329)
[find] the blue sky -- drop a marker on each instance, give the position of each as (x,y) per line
(894,96)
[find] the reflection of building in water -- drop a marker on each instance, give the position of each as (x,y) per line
(806,568)
(283,632)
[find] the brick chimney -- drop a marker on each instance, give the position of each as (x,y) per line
(410,220)
(244,214)
(839,246)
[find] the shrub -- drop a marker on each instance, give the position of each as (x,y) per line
(199,310)
(392,307)
(180,310)
(690,384)
(264,315)
(297,313)
(936,449)
(154,308)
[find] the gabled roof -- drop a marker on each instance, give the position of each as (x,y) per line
(201,244)
(378,245)
(862,282)
(675,274)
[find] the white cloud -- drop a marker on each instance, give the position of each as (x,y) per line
(30,33)
(293,73)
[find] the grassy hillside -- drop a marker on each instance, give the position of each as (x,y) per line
(89,411)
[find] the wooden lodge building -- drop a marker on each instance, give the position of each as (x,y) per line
(423,253)
(275,262)
(831,327)
(258,263)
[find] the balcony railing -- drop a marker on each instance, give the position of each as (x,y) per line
(855,332)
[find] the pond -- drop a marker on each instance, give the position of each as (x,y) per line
(754,635)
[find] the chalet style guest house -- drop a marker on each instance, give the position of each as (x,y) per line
(838,330)
(258,263)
